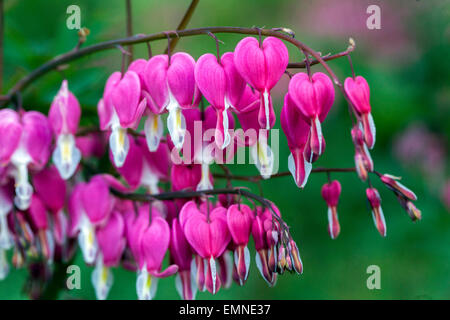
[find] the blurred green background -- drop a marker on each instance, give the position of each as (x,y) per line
(407,65)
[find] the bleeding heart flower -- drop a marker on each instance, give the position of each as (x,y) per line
(262,247)
(154,243)
(330,193)
(262,65)
(111,243)
(90,205)
(38,215)
(51,189)
(358,91)
(296,131)
(64,117)
(25,141)
(377,213)
(239,220)
(221,84)
(363,159)
(208,235)
(120,109)
(313,97)
(181,255)
(171,87)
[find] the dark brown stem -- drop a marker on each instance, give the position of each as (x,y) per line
(140,197)
(129,28)
(183,24)
(74,55)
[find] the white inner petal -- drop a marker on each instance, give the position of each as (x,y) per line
(66,155)
(87,240)
(102,279)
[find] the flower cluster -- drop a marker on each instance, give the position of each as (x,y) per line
(47,209)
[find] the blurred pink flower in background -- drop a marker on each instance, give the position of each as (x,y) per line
(418,147)
(347,18)
(446,194)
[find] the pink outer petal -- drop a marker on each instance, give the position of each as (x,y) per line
(181,79)
(359,93)
(131,170)
(169,271)
(185,176)
(211,80)
(64,114)
(104,108)
(37,137)
(10,132)
(158,161)
(155,78)
(138,66)
(111,239)
(250,62)
(208,238)
(154,243)
(276,60)
(239,221)
(331,192)
(75,209)
(235,83)
(125,98)
(38,213)
(293,124)
(188,211)
(51,188)
(180,250)
(313,97)
(96,199)
(248,102)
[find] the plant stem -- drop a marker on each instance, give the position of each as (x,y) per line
(183,24)
(107,45)
(129,28)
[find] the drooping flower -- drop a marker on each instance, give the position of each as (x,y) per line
(120,109)
(64,117)
(296,131)
(239,220)
(39,218)
(330,193)
(111,243)
(208,235)
(181,255)
(25,141)
(358,91)
(363,160)
(171,87)
(51,189)
(392,183)
(314,97)
(377,213)
(262,248)
(150,243)
(90,205)
(262,65)
(221,84)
